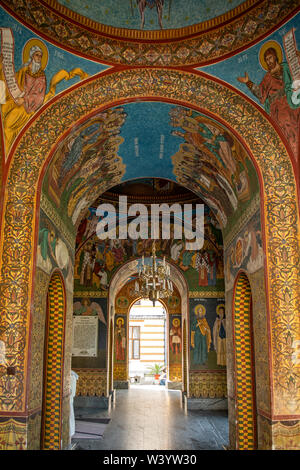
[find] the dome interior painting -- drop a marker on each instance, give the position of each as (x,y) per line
(168,14)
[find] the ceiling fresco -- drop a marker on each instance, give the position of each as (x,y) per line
(59,70)
(151,139)
(265,81)
(97,260)
(170,14)
(200,43)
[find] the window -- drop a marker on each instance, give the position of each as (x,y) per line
(134,342)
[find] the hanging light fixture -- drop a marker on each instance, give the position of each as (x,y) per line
(154,280)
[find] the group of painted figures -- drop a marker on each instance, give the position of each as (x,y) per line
(203,339)
(96,260)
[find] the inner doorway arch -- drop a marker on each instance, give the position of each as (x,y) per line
(122,275)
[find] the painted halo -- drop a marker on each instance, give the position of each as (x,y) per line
(200,309)
(275,45)
(219,307)
(36,42)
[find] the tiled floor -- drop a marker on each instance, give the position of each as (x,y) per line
(153,418)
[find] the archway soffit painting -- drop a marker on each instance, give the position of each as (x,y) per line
(280,215)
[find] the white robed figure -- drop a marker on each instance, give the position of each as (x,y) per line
(74,378)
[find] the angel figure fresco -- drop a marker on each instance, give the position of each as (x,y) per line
(30,80)
(187,163)
(53,252)
(88,308)
(275,91)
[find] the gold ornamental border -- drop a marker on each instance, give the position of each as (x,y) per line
(152,35)
(280,212)
(207,43)
(206,295)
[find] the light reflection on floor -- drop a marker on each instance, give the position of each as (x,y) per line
(151,417)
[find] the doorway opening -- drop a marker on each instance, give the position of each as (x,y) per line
(147,343)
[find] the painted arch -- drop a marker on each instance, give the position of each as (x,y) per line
(280,216)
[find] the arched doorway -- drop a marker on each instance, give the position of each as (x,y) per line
(185,359)
(110,356)
(246,438)
(216,101)
(54,364)
(147,341)
(163,330)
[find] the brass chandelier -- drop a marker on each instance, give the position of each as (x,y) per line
(154,281)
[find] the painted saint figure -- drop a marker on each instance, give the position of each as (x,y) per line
(120,339)
(219,335)
(142,4)
(175,336)
(200,336)
(88,264)
(31,80)
(275,92)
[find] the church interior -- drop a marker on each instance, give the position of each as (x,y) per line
(162,104)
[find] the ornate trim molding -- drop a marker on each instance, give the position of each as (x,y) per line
(207,43)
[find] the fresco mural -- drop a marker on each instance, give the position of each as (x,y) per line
(97,260)
(207,334)
(226,178)
(270,75)
(245,251)
(175,339)
(120,339)
(42,71)
(115,146)
(86,159)
(54,252)
(150,14)
(89,306)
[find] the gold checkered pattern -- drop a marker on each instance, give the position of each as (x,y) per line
(246,427)
(54,365)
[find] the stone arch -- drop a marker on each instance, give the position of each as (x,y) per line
(279,201)
(110,356)
(185,374)
(124,272)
